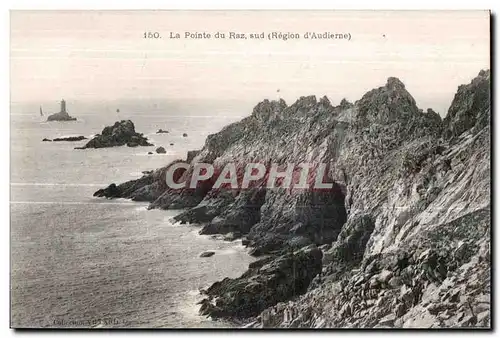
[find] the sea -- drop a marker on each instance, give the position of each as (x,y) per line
(82,261)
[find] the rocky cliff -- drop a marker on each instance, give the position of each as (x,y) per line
(403,232)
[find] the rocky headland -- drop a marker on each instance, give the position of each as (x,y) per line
(119,134)
(401,239)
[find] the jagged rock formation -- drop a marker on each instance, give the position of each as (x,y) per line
(161,150)
(161,131)
(191,154)
(427,261)
(266,282)
(470,109)
(119,134)
(147,188)
(404,230)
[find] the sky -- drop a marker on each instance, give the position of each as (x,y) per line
(103,55)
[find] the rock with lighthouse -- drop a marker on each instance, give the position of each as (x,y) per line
(62,115)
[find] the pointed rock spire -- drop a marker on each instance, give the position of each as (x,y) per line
(470,108)
(387,104)
(265,109)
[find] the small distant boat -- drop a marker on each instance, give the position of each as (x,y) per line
(118,110)
(41,112)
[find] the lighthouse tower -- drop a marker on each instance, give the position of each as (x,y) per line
(63,106)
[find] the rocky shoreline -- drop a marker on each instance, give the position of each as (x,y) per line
(402,239)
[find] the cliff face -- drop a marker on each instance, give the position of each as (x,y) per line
(470,108)
(404,230)
(351,139)
(415,251)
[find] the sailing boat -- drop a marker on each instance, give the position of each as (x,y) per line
(41,112)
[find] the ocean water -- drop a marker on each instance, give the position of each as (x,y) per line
(80,261)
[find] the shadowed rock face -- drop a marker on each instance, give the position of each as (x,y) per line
(119,134)
(266,283)
(440,278)
(347,251)
(295,221)
(405,224)
(191,155)
(236,215)
(470,108)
